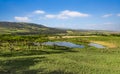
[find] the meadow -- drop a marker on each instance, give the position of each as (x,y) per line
(26,55)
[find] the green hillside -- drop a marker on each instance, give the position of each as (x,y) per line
(26,28)
(22,28)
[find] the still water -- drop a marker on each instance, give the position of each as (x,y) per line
(72,45)
(66,44)
(96,45)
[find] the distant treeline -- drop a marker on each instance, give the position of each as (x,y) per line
(12,38)
(93,34)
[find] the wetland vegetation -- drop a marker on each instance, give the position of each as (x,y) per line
(59,36)
(25,54)
(66,51)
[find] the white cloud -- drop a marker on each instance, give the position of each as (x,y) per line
(50,16)
(62,17)
(108,23)
(39,12)
(107,15)
(21,19)
(67,14)
(73,14)
(118,14)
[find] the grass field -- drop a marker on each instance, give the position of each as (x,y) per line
(62,60)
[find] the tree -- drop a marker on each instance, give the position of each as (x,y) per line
(41,41)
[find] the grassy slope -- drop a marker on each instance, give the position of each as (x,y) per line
(26,28)
(87,60)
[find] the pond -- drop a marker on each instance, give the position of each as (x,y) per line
(72,45)
(96,45)
(66,44)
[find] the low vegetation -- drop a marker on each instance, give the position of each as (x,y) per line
(25,54)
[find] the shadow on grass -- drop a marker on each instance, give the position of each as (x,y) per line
(59,72)
(20,66)
(55,50)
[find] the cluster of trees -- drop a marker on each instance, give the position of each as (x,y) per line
(13,42)
(13,38)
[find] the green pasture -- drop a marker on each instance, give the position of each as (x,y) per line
(19,56)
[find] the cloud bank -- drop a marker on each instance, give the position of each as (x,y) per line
(67,14)
(21,19)
(39,12)
(107,15)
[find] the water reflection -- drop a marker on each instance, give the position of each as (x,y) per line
(66,44)
(96,45)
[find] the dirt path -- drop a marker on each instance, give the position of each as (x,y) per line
(70,36)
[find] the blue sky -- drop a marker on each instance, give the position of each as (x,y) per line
(75,14)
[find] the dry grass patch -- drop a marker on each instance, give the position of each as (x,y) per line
(109,45)
(76,36)
(53,37)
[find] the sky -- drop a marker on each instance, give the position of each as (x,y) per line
(73,14)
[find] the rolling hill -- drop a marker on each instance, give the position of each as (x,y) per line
(27,28)
(22,28)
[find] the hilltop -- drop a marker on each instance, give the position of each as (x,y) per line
(27,28)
